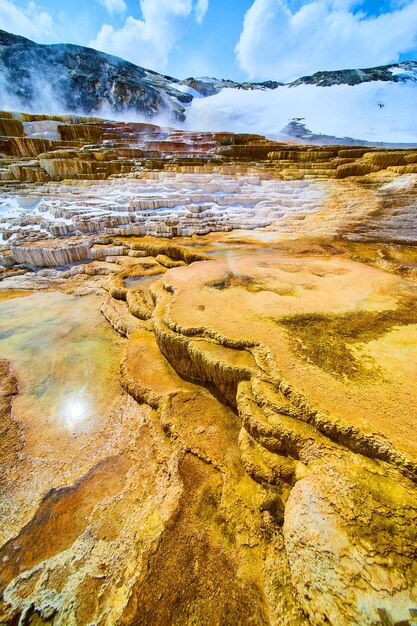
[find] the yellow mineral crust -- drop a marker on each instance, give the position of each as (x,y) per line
(256,458)
(292,344)
(208,374)
(267,306)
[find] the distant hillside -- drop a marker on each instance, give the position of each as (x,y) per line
(375,104)
(69,78)
(396,73)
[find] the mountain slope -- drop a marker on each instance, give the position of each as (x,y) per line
(374,112)
(373,104)
(397,73)
(68,78)
(65,77)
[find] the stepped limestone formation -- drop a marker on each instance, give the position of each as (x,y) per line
(208,376)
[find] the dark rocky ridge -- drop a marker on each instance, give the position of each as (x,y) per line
(211,86)
(387,73)
(83,79)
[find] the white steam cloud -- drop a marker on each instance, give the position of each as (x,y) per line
(201,9)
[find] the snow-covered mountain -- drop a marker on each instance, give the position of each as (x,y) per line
(376,104)
(377,111)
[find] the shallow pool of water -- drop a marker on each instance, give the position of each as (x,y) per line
(66,359)
(141,282)
(226,250)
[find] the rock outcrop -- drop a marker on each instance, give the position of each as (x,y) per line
(396,72)
(82,79)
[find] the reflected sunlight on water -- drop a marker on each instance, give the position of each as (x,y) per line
(66,359)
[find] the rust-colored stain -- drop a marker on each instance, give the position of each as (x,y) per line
(61,517)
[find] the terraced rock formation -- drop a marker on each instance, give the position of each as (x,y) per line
(169,183)
(208,379)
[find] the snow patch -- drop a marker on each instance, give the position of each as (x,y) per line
(406,73)
(43,129)
(375,111)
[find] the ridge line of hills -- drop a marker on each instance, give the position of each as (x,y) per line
(83,79)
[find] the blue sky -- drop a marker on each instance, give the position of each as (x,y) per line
(240,39)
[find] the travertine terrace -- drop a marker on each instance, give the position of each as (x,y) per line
(208,378)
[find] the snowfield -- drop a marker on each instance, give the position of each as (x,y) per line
(374,111)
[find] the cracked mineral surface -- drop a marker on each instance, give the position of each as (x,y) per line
(208,378)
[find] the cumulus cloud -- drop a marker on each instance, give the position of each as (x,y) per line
(114,6)
(148,41)
(30,21)
(282,42)
(201,9)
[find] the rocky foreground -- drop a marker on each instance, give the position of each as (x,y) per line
(208,378)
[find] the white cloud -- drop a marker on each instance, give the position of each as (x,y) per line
(148,41)
(30,21)
(201,9)
(114,6)
(281,43)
